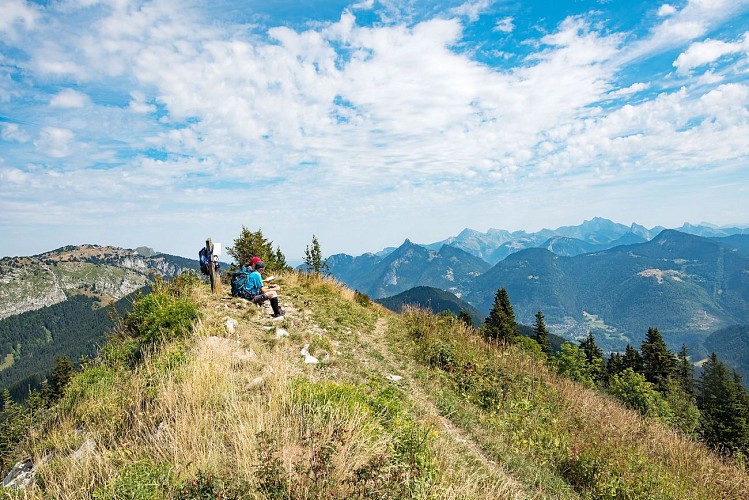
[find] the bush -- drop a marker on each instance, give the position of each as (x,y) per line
(160,316)
(633,390)
(142,480)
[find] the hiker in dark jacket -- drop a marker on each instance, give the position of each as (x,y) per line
(260,292)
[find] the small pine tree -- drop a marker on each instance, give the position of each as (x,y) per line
(500,324)
(253,244)
(657,361)
(541,334)
(59,379)
(685,371)
(465,318)
(632,359)
(313,258)
(722,401)
(593,355)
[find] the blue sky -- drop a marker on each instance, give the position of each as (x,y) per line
(162,122)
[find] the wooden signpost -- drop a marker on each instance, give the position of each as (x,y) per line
(213,271)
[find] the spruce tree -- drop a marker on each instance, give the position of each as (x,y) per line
(500,324)
(313,258)
(722,400)
(541,334)
(685,371)
(59,379)
(253,244)
(658,362)
(465,318)
(632,359)
(593,355)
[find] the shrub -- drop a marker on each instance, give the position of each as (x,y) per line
(142,480)
(160,316)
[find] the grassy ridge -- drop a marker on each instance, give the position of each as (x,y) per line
(198,395)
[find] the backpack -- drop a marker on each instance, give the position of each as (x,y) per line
(205,259)
(239,281)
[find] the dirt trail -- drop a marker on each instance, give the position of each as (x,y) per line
(376,340)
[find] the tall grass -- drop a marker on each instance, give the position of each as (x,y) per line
(553,432)
(166,413)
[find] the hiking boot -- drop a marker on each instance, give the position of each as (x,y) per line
(280,313)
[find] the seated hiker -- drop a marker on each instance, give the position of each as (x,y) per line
(259,292)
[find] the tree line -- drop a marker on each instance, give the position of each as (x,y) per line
(713,407)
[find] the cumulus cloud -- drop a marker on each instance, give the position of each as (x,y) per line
(708,51)
(693,21)
(341,120)
(505,25)
(139,105)
(69,98)
(55,142)
(666,10)
(16,13)
(12,132)
(632,89)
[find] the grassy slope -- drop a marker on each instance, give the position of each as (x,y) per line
(467,420)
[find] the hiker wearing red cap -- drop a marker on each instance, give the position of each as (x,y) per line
(259,292)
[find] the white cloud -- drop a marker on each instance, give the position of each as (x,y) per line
(708,51)
(693,21)
(666,10)
(69,98)
(15,13)
(632,89)
(55,142)
(138,103)
(472,9)
(13,133)
(505,25)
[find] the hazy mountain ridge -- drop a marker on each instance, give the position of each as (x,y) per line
(589,236)
(408,266)
(105,272)
(686,285)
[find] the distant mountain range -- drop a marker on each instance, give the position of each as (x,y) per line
(687,285)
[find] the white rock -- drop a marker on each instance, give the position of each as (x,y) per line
(21,475)
(280,332)
(394,378)
(231,325)
(85,449)
(311,360)
(305,350)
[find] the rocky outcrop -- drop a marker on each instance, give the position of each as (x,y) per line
(30,283)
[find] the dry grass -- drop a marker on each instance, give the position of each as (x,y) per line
(235,405)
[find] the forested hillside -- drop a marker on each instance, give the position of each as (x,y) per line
(31,341)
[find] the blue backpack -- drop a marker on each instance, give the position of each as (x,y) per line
(239,280)
(205,259)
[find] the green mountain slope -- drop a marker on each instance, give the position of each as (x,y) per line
(432,299)
(343,398)
(31,341)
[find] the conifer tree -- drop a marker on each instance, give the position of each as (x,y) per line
(313,258)
(632,359)
(59,379)
(723,403)
(592,351)
(658,362)
(500,324)
(685,371)
(541,334)
(253,244)
(465,318)
(593,355)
